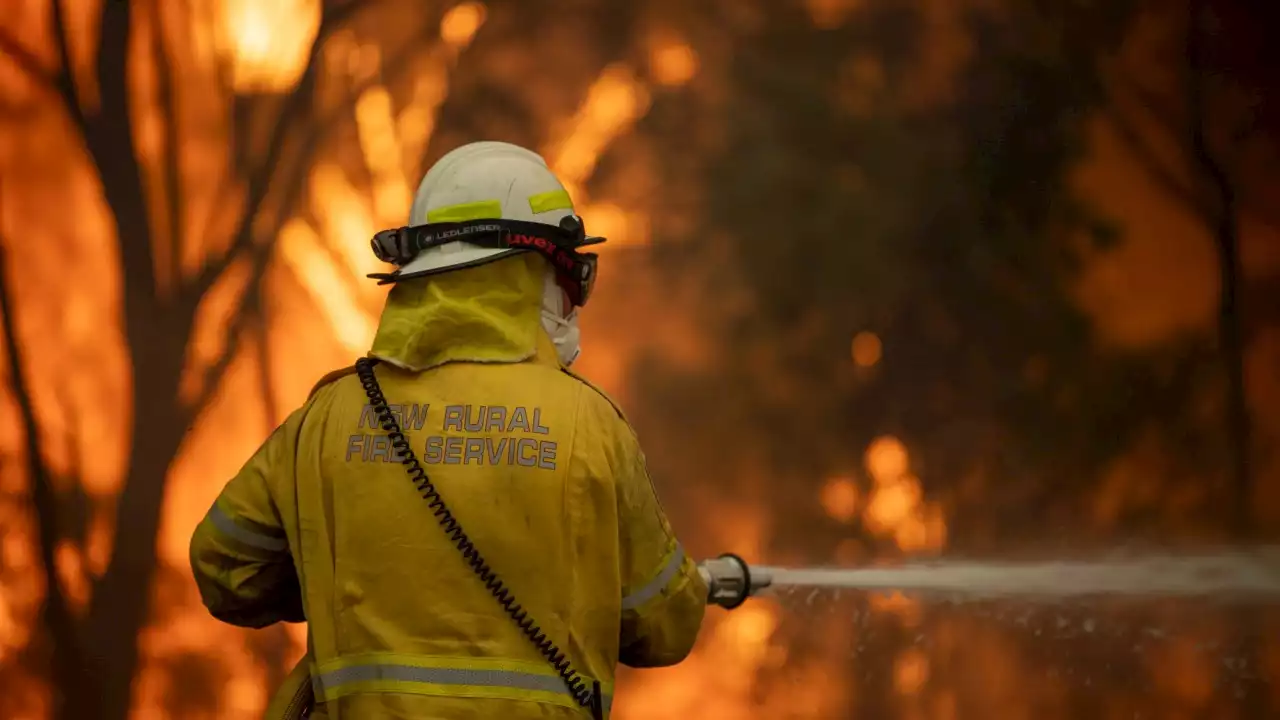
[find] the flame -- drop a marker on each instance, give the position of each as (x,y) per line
(897,508)
(1157,286)
(886,459)
(72,576)
(375,122)
(672,62)
(267,42)
(301,250)
(910,672)
(613,104)
(461,23)
(344,218)
(840,499)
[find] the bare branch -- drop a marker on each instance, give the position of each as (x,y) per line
(260,180)
(1198,111)
(168,99)
(111,143)
(243,317)
(260,254)
(1164,176)
(1161,173)
(68,665)
(1226,235)
(270,408)
(27,62)
(51,81)
(66,77)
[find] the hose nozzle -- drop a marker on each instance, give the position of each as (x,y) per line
(730,581)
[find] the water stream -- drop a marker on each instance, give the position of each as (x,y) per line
(1228,576)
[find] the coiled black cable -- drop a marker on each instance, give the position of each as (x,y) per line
(589,698)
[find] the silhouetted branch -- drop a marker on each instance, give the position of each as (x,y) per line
(260,254)
(27,62)
(270,409)
(260,180)
(57,82)
(66,80)
(1227,237)
(110,138)
(1165,176)
(167,96)
(1163,113)
(68,665)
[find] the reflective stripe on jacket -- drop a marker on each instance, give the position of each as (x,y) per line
(476,677)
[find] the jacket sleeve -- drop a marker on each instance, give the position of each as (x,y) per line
(664,597)
(239,553)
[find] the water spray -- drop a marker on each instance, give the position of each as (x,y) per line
(1241,575)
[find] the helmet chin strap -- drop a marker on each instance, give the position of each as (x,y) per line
(561,327)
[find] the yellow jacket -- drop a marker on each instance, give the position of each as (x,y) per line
(540,468)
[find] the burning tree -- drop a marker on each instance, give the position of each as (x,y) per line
(847,238)
(227,162)
(194,233)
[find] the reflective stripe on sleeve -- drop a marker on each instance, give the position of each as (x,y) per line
(656,585)
(445,680)
(227,526)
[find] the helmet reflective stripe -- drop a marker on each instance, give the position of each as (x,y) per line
(466,211)
(484,180)
(548,201)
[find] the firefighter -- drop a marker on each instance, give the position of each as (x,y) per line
(492,547)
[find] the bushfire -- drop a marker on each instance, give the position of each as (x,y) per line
(187,191)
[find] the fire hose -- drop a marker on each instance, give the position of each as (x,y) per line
(730,581)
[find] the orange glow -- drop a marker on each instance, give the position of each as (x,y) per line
(840,499)
(375,123)
(209,339)
(461,23)
(850,553)
(1158,285)
(749,632)
(886,459)
(1184,673)
(891,504)
(905,609)
(924,529)
(71,574)
(300,248)
(613,104)
(910,672)
(21,587)
(1161,282)
(829,14)
(896,508)
(267,41)
(346,220)
(673,63)
(866,349)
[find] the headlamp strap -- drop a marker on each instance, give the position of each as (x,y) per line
(399,246)
(560,246)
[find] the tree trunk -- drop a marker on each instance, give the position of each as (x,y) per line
(1249,691)
(120,605)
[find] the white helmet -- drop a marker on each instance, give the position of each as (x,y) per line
(487,200)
